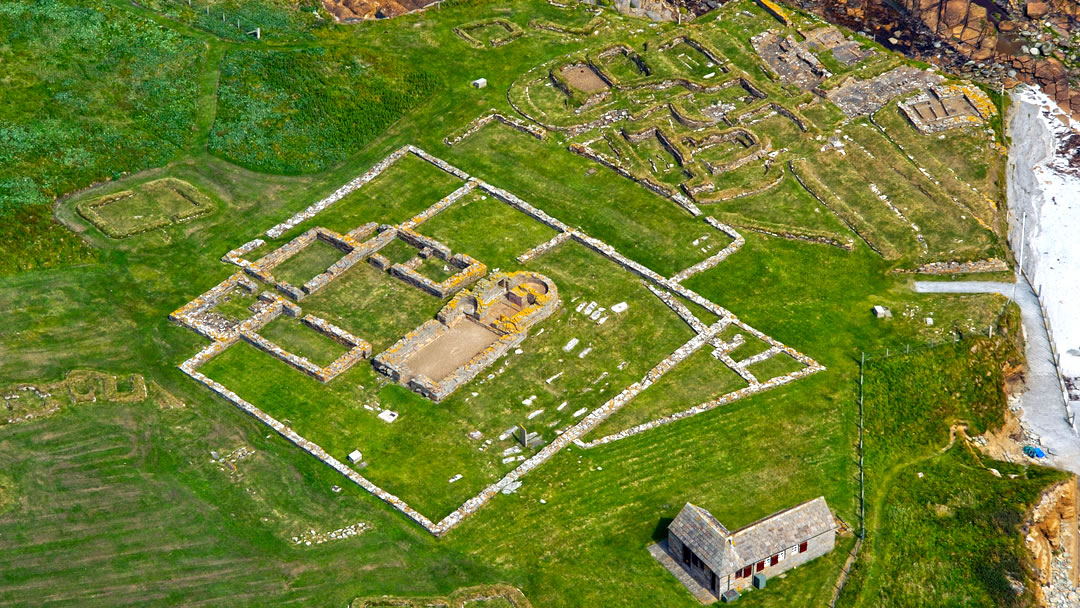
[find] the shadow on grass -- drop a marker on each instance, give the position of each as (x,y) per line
(660,533)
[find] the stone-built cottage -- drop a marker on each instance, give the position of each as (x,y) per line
(721,559)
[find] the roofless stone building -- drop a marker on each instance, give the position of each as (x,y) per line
(473,330)
(711,560)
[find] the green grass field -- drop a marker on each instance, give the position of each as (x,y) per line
(133,504)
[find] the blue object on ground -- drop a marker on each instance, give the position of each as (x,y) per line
(1034,452)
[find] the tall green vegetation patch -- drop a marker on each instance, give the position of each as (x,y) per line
(942,528)
(275,19)
(302,111)
(89,92)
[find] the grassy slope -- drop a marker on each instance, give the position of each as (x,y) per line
(951,536)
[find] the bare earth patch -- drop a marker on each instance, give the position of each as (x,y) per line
(356,10)
(452,349)
(583,78)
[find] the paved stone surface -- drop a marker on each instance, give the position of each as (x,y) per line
(1044,411)
(660,553)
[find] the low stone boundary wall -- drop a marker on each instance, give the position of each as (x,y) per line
(443,203)
(711,261)
(677,197)
(514,123)
(513,32)
(338,194)
(544,247)
(366,177)
(190,367)
(953,267)
(524,207)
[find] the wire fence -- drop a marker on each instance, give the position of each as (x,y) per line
(957,336)
(250,30)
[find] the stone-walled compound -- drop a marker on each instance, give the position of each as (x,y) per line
(944,107)
(534,298)
(193,315)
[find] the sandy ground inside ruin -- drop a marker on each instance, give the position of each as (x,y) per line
(451,350)
(583,78)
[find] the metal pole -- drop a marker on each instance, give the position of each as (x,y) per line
(862,470)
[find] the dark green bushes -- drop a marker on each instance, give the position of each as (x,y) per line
(302,111)
(277,19)
(90,92)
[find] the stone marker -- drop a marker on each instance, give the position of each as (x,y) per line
(355,456)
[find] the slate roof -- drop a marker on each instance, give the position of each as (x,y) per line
(726,551)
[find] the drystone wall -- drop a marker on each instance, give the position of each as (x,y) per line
(544,247)
(616,166)
(711,261)
(338,194)
(270,305)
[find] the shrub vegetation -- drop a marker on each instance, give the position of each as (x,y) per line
(303,111)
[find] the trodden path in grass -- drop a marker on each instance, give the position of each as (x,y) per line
(1044,412)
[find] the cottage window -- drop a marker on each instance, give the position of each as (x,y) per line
(761,565)
(774,560)
(696,561)
(802,547)
(686,554)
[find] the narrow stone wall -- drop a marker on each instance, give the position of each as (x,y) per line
(271,305)
(514,123)
(713,260)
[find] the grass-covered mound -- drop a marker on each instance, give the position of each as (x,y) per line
(303,111)
(146,207)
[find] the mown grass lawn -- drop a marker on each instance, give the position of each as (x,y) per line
(123,505)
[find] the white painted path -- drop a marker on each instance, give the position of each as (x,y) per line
(1044,411)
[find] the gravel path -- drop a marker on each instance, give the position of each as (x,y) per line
(1044,413)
